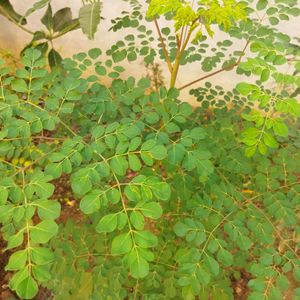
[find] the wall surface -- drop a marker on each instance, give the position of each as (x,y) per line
(14,39)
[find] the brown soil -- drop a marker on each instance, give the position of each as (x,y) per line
(4,291)
(69,205)
(240,286)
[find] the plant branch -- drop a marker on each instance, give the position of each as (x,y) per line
(187,39)
(164,48)
(182,45)
(181,37)
(218,71)
(16,23)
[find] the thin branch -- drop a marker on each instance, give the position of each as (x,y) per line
(184,33)
(218,71)
(181,38)
(164,48)
(180,50)
(186,41)
(136,290)
(187,32)
(16,23)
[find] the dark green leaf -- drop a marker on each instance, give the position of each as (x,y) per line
(47,19)
(54,58)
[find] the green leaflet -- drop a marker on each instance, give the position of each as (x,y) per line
(27,288)
(121,244)
(42,256)
(137,220)
(151,210)
(6,9)
(139,267)
(108,223)
(145,239)
(43,232)
(17,261)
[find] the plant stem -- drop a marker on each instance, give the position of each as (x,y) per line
(207,76)
(174,72)
(180,51)
(16,23)
(218,71)
(164,48)
(28,247)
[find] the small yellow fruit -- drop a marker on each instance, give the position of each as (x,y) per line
(21,160)
(27,163)
(248,192)
(70,203)
(15,161)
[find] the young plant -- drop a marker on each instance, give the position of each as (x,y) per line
(164,203)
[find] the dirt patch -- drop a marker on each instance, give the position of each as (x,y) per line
(240,285)
(293,285)
(4,276)
(69,205)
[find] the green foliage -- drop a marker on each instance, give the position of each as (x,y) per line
(209,12)
(165,195)
(272,51)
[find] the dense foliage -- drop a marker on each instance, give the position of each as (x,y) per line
(164,202)
(274,58)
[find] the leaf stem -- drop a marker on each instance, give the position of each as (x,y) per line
(27,225)
(16,23)
(218,71)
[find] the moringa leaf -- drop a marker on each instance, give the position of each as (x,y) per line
(27,288)
(63,22)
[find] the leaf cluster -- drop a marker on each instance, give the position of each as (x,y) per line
(167,205)
(161,186)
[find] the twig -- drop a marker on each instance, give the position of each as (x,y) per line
(16,23)
(218,71)
(163,45)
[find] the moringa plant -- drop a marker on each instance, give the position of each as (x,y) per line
(166,205)
(162,202)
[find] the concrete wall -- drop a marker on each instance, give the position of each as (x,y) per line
(14,39)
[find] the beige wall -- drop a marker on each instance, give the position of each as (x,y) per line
(14,39)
